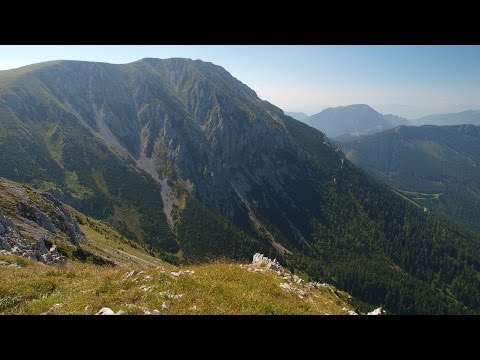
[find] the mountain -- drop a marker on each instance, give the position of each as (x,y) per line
(436,166)
(465,117)
(95,267)
(183,158)
(353,120)
(300,116)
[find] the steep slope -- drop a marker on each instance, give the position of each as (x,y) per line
(375,245)
(181,155)
(437,167)
(471,117)
(353,120)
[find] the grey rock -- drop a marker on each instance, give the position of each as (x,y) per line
(181,272)
(298,280)
(377,311)
(105,311)
(63,220)
(41,246)
(32,212)
(259,260)
(5,229)
(54,219)
(285,286)
(13,243)
(48,214)
(153,312)
(4,245)
(302,294)
(130,274)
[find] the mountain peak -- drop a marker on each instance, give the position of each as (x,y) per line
(356,119)
(356,107)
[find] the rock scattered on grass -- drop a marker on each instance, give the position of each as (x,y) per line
(108,311)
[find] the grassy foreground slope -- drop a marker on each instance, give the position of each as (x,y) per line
(105,269)
(217,288)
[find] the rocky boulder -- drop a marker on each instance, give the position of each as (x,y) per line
(11,242)
(62,220)
(4,229)
(262,261)
(33,213)
(52,216)
(377,311)
(108,311)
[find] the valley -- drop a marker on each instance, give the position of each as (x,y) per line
(434,166)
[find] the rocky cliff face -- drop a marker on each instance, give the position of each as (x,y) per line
(36,217)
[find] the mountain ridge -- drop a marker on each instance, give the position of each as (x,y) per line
(459,118)
(180,155)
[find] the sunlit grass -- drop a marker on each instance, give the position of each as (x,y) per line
(218,288)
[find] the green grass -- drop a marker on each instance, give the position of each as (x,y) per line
(217,288)
(74,186)
(103,240)
(129,216)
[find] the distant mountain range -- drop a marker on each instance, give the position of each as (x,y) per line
(435,166)
(352,120)
(465,117)
(188,161)
(348,123)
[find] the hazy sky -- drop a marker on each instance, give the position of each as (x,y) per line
(405,80)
